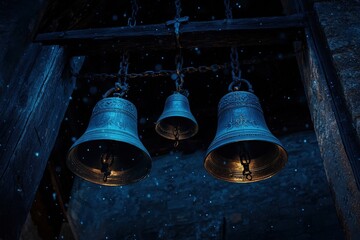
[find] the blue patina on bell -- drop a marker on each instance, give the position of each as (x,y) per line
(243,150)
(176,121)
(110,151)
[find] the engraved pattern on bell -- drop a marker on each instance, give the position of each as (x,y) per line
(112,131)
(176,117)
(239,99)
(242,130)
(112,123)
(115,104)
(241,120)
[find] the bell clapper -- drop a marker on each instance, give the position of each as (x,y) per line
(106,161)
(176,135)
(106,174)
(245,162)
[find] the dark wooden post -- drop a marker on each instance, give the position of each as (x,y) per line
(35,88)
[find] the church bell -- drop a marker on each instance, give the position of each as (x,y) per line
(243,150)
(176,121)
(110,151)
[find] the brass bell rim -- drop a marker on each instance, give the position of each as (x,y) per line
(236,138)
(280,165)
(88,173)
(233,180)
(182,136)
(88,176)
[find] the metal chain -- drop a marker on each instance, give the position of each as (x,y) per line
(135,9)
(121,86)
(178,8)
(177,22)
(235,66)
(245,162)
(228,11)
(153,74)
(123,67)
(179,80)
(176,136)
(106,162)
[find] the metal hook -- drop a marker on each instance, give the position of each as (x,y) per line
(236,85)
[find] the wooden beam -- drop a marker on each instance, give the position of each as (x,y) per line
(220,33)
(55,182)
(32,110)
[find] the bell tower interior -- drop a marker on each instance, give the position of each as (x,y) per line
(285,50)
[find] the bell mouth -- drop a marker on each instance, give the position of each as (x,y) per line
(265,160)
(170,126)
(125,162)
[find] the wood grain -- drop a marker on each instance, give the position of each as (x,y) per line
(219,33)
(32,110)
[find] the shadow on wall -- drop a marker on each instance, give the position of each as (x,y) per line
(179,200)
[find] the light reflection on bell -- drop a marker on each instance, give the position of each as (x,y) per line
(243,150)
(176,122)
(110,151)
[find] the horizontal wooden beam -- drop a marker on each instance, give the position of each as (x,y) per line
(219,33)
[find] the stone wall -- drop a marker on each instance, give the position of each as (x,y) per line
(339,21)
(341,24)
(179,200)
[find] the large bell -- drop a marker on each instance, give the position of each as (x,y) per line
(243,150)
(176,122)
(110,152)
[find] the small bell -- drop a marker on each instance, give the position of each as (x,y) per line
(110,151)
(176,122)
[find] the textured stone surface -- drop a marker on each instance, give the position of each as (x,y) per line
(341,24)
(337,166)
(179,200)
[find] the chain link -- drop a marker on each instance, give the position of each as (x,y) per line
(135,9)
(121,86)
(153,74)
(179,80)
(178,8)
(106,162)
(235,66)
(123,67)
(176,136)
(166,73)
(245,162)
(228,11)
(177,22)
